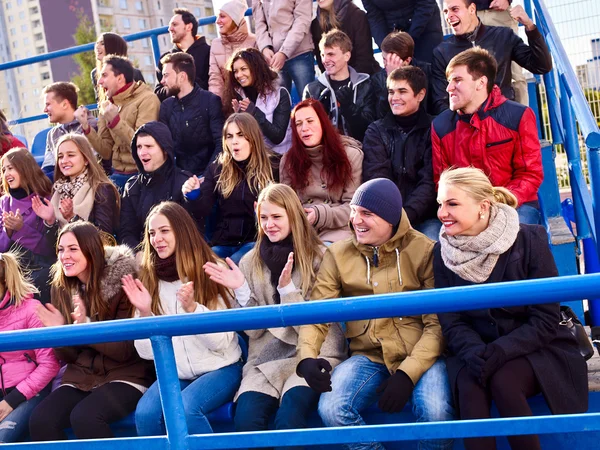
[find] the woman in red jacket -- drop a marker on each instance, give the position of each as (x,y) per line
(25,374)
(7,140)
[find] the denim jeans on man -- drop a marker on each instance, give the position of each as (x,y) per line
(529,214)
(200,396)
(235,252)
(301,70)
(354,384)
(14,426)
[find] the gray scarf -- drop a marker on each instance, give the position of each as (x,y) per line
(474,257)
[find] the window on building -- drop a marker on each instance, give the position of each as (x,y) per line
(44,64)
(22,15)
(21,82)
(145,43)
(105,22)
(36,23)
(25,108)
(45,76)
(8,5)
(36,92)
(10,19)
(158,5)
(24,27)
(24,95)
(34,80)
(38,36)
(28,54)
(197,12)
(19,2)
(40,50)
(126,23)
(15,44)
(149,77)
(34,10)
(147,60)
(162,22)
(123,4)
(142,24)
(209,11)
(13,31)
(131,44)
(105,3)
(26,41)
(139,6)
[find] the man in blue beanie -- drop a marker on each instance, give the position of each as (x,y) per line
(392,360)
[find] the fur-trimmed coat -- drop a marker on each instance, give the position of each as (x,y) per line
(93,365)
(272,358)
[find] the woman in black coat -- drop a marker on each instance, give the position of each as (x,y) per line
(501,354)
(419,18)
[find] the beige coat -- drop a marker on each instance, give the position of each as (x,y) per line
(268,370)
(283,25)
(410,343)
(332,208)
(138,105)
(221,50)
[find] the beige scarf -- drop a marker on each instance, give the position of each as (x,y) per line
(83,203)
(474,257)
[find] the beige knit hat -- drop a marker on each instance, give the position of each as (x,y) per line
(235,9)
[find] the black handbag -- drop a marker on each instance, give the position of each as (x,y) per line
(570,320)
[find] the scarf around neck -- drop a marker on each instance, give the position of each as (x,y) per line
(275,255)
(473,258)
(67,188)
(166,269)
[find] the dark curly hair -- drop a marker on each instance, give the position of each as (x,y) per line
(263,78)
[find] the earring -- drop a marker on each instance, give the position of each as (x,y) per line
(481,215)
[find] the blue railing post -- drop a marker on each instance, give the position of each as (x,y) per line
(170,392)
(593,144)
(155,49)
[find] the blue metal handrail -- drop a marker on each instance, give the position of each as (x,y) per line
(160,330)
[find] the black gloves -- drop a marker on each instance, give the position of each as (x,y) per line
(395,392)
(494,359)
(345,96)
(316,372)
(475,362)
(325,100)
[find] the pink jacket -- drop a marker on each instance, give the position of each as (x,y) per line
(29,370)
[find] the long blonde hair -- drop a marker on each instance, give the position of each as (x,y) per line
(14,278)
(477,185)
(191,253)
(307,245)
(259,172)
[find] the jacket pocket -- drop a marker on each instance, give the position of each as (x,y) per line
(494,144)
(356,327)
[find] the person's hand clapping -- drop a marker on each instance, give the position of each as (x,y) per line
(138,295)
(231,278)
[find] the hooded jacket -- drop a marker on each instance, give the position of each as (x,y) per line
(221,49)
(354,118)
(138,105)
(200,51)
(24,373)
(147,189)
(93,365)
(402,264)
(353,22)
(405,158)
(196,124)
(500,138)
(504,45)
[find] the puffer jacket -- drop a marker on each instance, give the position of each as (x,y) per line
(221,49)
(13,142)
(332,208)
(196,124)
(138,105)
(93,365)
(403,264)
(147,189)
(403,156)
(501,139)
(197,354)
(354,118)
(24,373)
(283,25)
(353,22)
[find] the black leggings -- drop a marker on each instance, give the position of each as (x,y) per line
(88,413)
(509,387)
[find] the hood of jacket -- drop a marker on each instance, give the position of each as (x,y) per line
(198,41)
(162,135)
(119,261)
(355,77)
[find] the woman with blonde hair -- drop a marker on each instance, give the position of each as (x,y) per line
(281,269)
(172,282)
(82,191)
(501,354)
(233,182)
(26,375)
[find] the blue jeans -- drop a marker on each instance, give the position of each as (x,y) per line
(355,382)
(200,396)
(14,426)
(430,228)
(301,70)
(235,252)
(119,179)
(529,214)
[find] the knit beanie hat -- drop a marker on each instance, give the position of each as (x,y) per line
(382,197)
(235,9)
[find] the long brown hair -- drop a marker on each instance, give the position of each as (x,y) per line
(114,44)
(191,253)
(307,245)
(63,287)
(337,169)
(259,172)
(33,180)
(96,175)
(328,19)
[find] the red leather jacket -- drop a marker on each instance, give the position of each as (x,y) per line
(501,139)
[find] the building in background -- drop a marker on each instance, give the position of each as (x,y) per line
(589,73)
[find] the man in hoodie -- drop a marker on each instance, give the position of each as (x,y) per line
(183,28)
(129,105)
(392,360)
(159,180)
(347,95)
(193,115)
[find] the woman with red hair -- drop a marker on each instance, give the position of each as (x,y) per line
(324,168)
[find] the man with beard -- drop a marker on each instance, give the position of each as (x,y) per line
(183,27)
(192,114)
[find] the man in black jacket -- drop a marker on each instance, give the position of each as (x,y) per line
(398,147)
(501,42)
(159,180)
(346,94)
(192,114)
(183,27)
